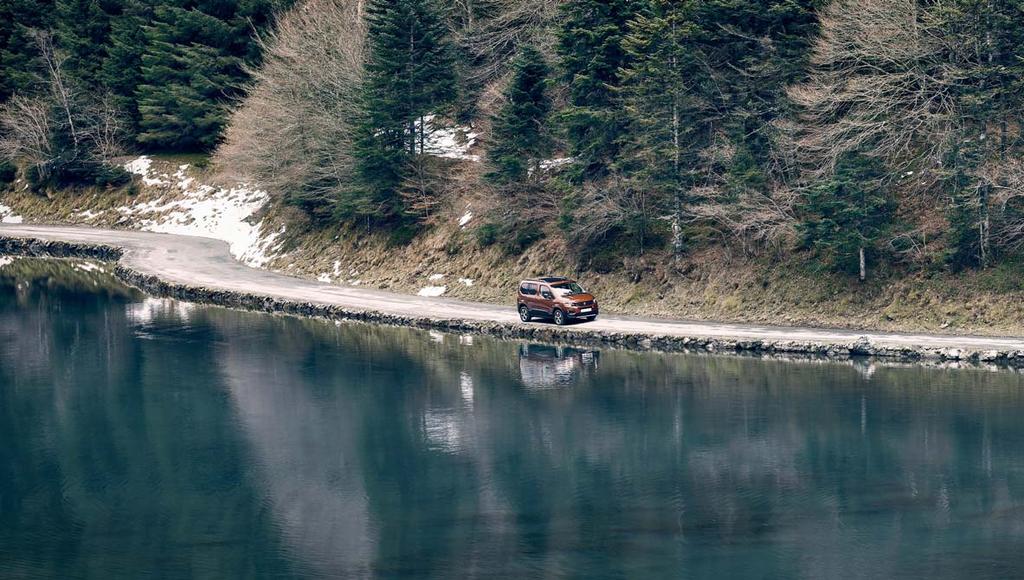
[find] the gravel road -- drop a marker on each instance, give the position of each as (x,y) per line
(207,262)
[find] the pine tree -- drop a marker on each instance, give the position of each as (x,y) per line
(990,36)
(409,75)
(180,100)
(192,67)
(121,71)
(590,45)
(751,50)
(519,135)
(83,28)
(20,65)
(847,216)
(659,88)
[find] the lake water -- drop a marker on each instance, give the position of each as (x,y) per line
(148,438)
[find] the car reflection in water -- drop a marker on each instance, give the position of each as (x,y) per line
(543,367)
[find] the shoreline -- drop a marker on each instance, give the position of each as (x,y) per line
(984,349)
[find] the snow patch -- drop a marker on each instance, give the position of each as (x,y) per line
(6,261)
(553,164)
(449,142)
(436,277)
(7,215)
(466,281)
(432,290)
(223,213)
(140,166)
(466,217)
(325,278)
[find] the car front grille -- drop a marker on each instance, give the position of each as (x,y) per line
(584,304)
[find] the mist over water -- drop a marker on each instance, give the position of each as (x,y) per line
(146,437)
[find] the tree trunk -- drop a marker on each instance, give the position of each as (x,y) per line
(863,265)
(983,226)
(677,216)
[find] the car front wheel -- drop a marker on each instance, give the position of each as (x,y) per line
(524,313)
(559,318)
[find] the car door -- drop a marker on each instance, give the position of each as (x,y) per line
(528,292)
(546,300)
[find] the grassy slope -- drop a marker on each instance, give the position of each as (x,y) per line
(715,286)
(711,285)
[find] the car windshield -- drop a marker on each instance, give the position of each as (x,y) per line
(568,289)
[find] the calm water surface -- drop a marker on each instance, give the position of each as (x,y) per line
(144,438)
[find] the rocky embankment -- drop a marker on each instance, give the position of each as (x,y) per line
(862,347)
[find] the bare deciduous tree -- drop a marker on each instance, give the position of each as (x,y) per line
(60,129)
(1004,179)
(494,37)
(106,128)
(616,205)
(26,126)
(60,88)
(882,82)
(294,131)
(753,218)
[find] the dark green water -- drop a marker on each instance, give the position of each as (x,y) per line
(142,438)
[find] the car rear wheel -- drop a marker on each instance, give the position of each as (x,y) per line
(524,313)
(559,317)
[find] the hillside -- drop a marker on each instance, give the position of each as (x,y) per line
(833,163)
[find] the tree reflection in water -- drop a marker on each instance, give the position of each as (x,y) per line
(147,437)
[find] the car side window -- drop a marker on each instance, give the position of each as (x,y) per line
(546,292)
(529,289)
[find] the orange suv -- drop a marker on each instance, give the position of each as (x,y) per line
(560,299)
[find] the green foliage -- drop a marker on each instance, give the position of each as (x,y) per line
(409,75)
(603,259)
(191,66)
(590,44)
(170,66)
(73,163)
(512,237)
(989,38)
(487,234)
(847,214)
(82,31)
(19,56)
(664,107)
(121,70)
(519,134)
(567,206)
(8,173)
(523,236)
(403,234)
